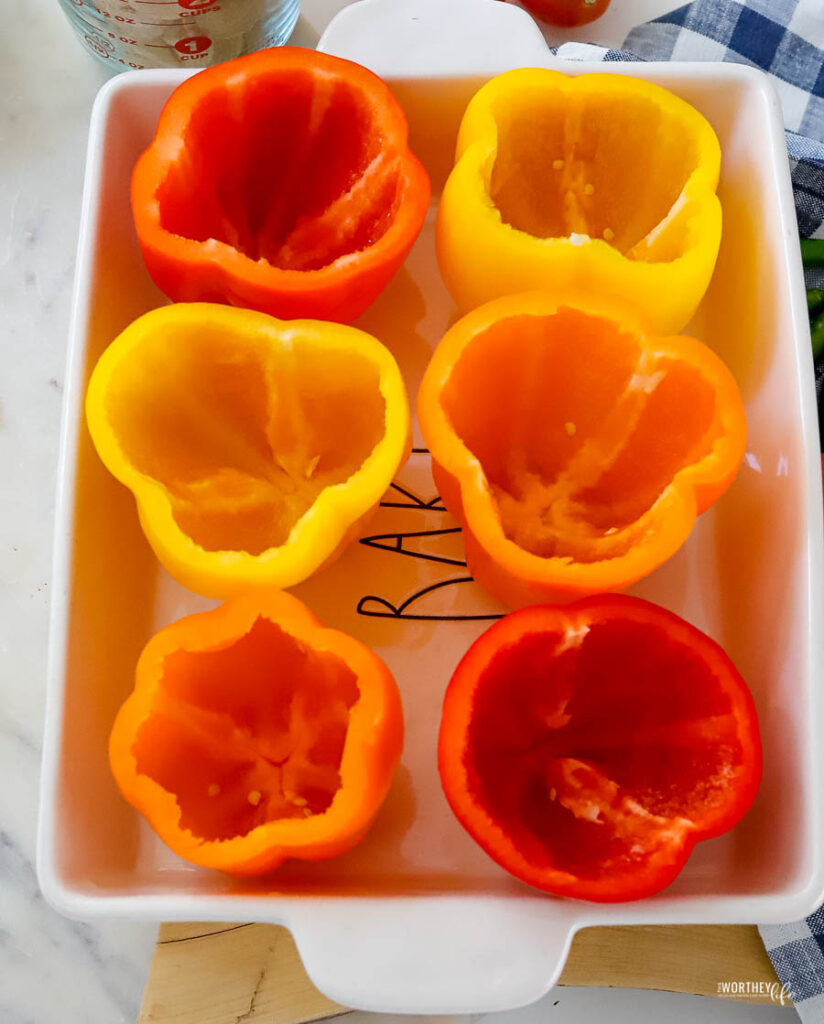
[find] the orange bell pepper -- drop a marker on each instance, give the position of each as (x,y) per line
(574,445)
(254,734)
(255,449)
(601,182)
(281,181)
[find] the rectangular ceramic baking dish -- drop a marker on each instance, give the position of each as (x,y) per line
(417,918)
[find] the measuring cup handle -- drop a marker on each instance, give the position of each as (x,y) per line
(431,38)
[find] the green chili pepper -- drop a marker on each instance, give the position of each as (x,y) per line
(815,301)
(812,252)
(817,336)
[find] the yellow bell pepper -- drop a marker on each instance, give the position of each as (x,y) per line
(601,182)
(254,447)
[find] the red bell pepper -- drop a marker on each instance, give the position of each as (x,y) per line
(567,13)
(587,748)
(281,181)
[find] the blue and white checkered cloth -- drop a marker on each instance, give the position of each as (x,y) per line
(786,39)
(797,954)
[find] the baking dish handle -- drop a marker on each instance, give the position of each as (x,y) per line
(431,38)
(436,955)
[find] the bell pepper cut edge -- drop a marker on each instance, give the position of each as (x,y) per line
(478,120)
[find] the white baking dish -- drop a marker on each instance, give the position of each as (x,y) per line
(417,918)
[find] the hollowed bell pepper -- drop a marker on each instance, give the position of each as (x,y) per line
(602,182)
(255,448)
(588,748)
(281,181)
(254,734)
(575,446)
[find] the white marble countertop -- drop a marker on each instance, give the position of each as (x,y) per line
(55,971)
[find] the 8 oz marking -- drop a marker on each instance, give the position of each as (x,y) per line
(190,48)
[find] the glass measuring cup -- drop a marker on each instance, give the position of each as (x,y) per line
(126,34)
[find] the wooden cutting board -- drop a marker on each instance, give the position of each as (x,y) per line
(224,973)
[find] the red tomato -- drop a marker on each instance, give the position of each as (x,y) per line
(567,12)
(588,748)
